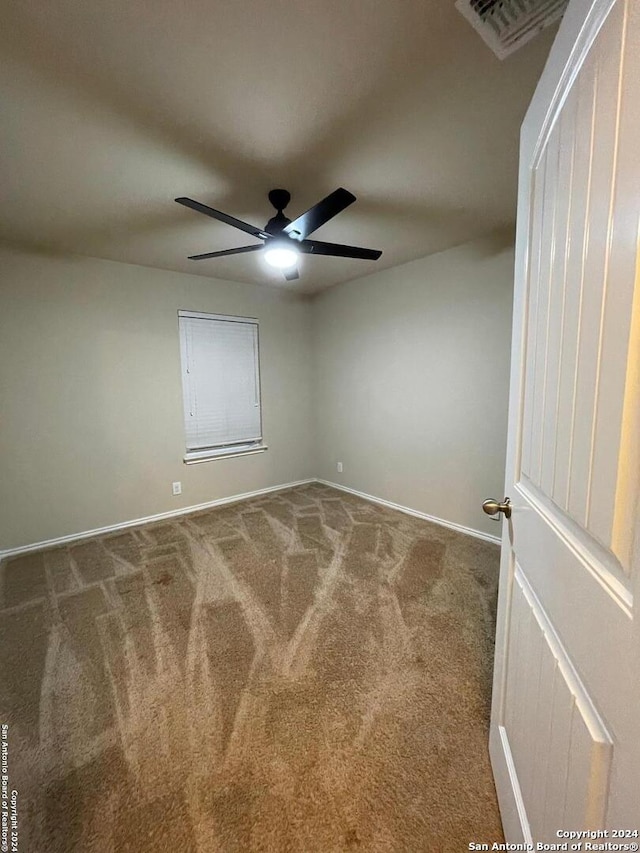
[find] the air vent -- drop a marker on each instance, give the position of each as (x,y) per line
(505,25)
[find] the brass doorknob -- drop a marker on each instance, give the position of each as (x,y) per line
(493,507)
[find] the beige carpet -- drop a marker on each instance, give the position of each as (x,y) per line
(299,673)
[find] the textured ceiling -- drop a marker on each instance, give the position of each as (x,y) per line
(112,109)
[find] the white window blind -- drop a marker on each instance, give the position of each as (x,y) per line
(221,383)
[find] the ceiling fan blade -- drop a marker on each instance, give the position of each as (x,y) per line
(337,250)
(291,274)
(224,252)
(223,217)
(320,213)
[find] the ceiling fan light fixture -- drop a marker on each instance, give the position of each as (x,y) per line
(281,257)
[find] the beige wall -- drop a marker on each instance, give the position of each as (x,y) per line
(91,429)
(402,376)
(411,383)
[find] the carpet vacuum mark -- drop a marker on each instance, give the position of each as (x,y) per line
(303,672)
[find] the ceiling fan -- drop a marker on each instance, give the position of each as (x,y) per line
(283,240)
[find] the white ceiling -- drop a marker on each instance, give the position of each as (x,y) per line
(112,109)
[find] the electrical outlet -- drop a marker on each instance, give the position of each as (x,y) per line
(339,467)
(176,488)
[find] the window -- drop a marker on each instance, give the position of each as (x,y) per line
(221,385)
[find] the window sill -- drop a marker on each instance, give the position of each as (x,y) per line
(195,457)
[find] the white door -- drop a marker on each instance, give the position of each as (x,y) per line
(565,728)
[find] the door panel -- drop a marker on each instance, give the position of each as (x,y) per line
(565,728)
(566,784)
(574,386)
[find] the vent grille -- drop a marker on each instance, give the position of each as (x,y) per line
(505,25)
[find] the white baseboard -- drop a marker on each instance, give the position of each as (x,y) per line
(470,531)
(136,522)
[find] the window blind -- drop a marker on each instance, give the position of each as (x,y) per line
(221,381)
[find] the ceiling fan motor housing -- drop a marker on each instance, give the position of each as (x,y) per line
(276,223)
(279,198)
